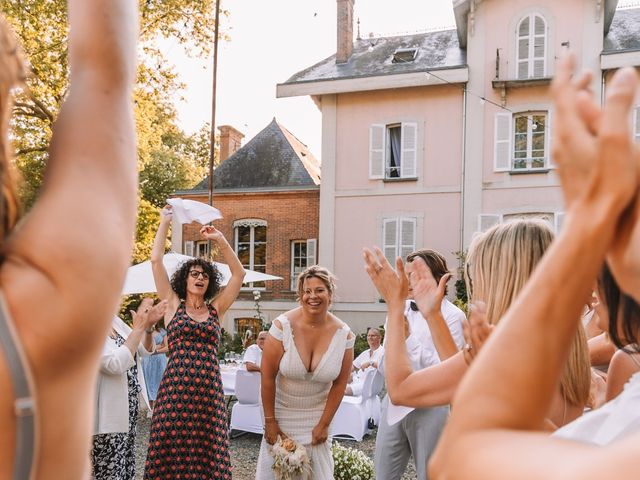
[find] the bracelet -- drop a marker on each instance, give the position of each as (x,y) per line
(269,418)
(149,330)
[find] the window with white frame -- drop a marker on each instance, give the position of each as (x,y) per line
(201,249)
(488,220)
(393,150)
(531,44)
(522,141)
(188,248)
(251,247)
(398,237)
(303,255)
(636,124)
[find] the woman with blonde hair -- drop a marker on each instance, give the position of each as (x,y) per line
(62,269)
(306,363)
(495,422)
(499,263)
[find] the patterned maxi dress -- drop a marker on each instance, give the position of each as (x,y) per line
(301,397)
(189,428)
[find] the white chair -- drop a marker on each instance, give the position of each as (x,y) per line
(351,420)
(373,397)
(245,414)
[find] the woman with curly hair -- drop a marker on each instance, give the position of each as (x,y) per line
(189,428)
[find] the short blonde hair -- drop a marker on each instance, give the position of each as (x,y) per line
(316,271)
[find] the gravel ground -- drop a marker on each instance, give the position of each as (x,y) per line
(244,452)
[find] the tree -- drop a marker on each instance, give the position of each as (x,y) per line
(42,28)
(167,158)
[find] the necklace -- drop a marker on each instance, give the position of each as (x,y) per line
(197,307)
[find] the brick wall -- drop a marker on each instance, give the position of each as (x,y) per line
(289,216)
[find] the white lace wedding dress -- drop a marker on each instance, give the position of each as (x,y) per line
(301,397)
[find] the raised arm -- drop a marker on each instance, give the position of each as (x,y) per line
(428,295)
(230,292)
(160,276)
(72,250)
(497,406)
(430,386)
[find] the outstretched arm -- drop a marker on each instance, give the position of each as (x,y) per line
(160,276)
(72,250)
(496,406)
(230,292)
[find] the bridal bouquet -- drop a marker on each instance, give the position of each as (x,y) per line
(291,460)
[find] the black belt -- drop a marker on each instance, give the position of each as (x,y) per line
(24,405)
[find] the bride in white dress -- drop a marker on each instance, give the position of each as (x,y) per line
(306,363)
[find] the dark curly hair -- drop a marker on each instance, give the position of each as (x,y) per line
(179,278)
(620,306)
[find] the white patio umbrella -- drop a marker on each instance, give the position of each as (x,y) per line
(139,277)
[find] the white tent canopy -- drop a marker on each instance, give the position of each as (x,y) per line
(139,277)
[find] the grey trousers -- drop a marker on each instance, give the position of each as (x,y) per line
(416,434)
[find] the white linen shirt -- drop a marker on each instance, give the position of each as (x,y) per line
(369,356)
(253,354)
(422,352)
(614,420)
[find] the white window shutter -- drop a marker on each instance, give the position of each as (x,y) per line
(547,138)
(188,248)
(311,251)
(502,142)
(486,221)
(390,239)
(636,124)
(376,151)
(409,143)
(407,237)
(558,221)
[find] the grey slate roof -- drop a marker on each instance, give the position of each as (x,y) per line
(624,33)
(274,158)
(373,57)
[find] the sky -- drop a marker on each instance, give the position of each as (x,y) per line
(272,40)
(269,42)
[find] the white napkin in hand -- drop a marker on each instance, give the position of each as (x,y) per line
(187,211)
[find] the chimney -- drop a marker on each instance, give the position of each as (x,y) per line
(345,30)
(230,141)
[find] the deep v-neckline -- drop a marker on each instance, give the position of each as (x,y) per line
(322,358)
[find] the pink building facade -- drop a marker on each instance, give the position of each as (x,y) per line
(429,138)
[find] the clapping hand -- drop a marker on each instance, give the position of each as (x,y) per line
(392,286)
(426,292)
(476,331)
(147,314)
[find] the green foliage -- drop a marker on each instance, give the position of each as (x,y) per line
(229,343)
(461,287)
(167,158)
(351,464)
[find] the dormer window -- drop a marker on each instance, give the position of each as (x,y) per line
(531,38)
(404,55)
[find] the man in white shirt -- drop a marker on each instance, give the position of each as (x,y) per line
(405,431)
(371,357)
(253,354)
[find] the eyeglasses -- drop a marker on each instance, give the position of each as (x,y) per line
(197,273)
